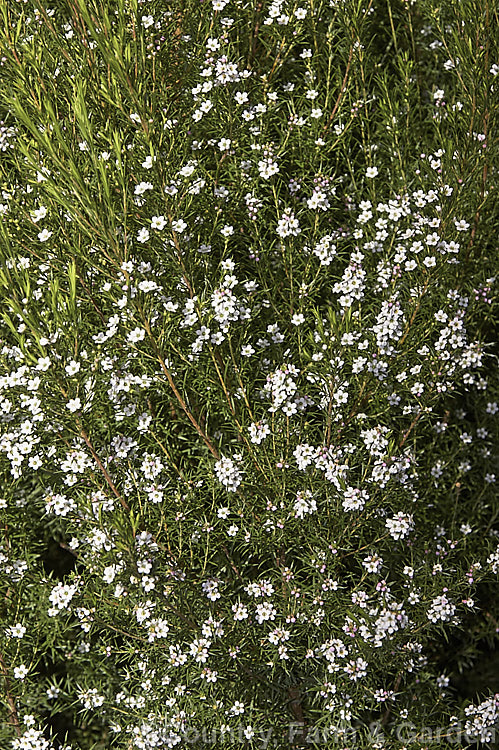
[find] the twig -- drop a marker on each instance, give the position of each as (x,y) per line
(388,711)
(342,91)
(178,395)
(215,356)
(410,429)
(231,561)
(13,718)
(101,466)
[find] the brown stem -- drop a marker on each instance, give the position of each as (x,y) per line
(51,28)
(360,400)
(11,44)
(409,430)
(13,718)
(413,316)
(92,299)
(178,395)
(342,91)
(329,420)
(238,376)
(101,466)
(215,356)
(278,57)
(388,711)
(118,630)
(178,250)
(254,38)
(296,707)
(485,166)
(170,459)
(231,561)
(69,549)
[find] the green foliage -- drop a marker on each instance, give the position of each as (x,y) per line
(248,387)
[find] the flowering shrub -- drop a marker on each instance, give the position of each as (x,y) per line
(249,388)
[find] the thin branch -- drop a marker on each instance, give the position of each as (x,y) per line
(215,356)
(410,429)
(231,561)
(13,718)
(388,711)
(101,466)
(178,395)
(342,91)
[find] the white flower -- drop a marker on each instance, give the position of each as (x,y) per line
(373,563)
(38,213)
(20,672)
(44,235)
(304,503)
(355,499)
(227,231)
(356,669)
(240,612)
(188,169)
(237,709)
(371,172)
(109,573)
(288,225)
(72,367)
(267,168)
(228,474)
(179,226)
(264,612)
(400,525)
(199,650)
(74,404)
(212,44)
(143,235)
(441,609)
(138,334)
(147,21)
(141,188)
(16,631)
(258,432)
(61,596)
(90,698)
(210,588)
(206,106)
(158,222)
(224,144)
